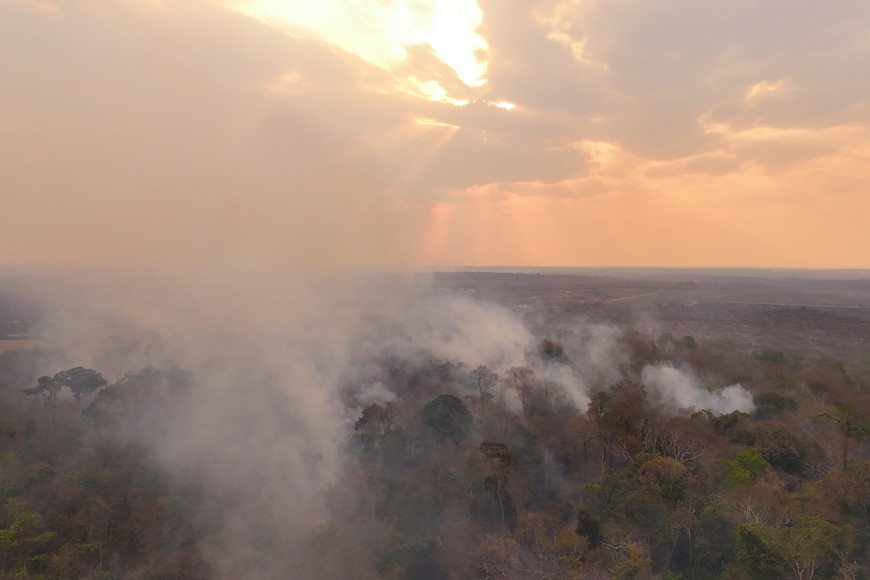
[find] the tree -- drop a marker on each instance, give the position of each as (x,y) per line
(746,466)
(798,548)
(770,403)
(447,416)
(484,379)
(47,388)
(589,527)
(551,351)
(24,545)
(522,381)
(622,419)
(583,431)
(852,431)
(779,445)
(502,460)
(80,381)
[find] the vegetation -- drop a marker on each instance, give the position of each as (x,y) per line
(469,474)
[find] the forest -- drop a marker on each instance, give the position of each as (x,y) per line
(447,468)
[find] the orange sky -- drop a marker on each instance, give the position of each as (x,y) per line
(448,132)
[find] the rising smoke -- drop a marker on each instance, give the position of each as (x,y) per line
(282,370)
(679,388)
(232,232)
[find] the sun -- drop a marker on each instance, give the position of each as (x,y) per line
(382,32)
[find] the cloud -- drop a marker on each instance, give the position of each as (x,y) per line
(233,133)
(385,33)
(761,89)
(713,164)
(660,67)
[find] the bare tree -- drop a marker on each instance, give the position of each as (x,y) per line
(522,381)
(484,379)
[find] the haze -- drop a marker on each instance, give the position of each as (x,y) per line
(403,133)
(229,347)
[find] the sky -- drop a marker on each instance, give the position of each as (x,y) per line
(401,133)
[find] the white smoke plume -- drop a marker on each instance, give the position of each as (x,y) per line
(460,329)
(264,427)
(602,354)
(671,386)
(570,381)
(375,393)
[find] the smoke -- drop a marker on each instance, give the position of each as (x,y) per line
(674,387)
(453,328)
(284,363)
(232,228)
(602,354)
(593,356)
(375,393)
(263,428)
(570,380)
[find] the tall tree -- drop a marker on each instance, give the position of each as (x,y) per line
(521,380)
(447,416)
(80,381)
(484,379)
(502,460)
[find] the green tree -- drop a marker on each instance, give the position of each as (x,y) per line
(47,389)
(24,544)
(80,381)
(770,403)
(448,417)
(797,549)
(746,466)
